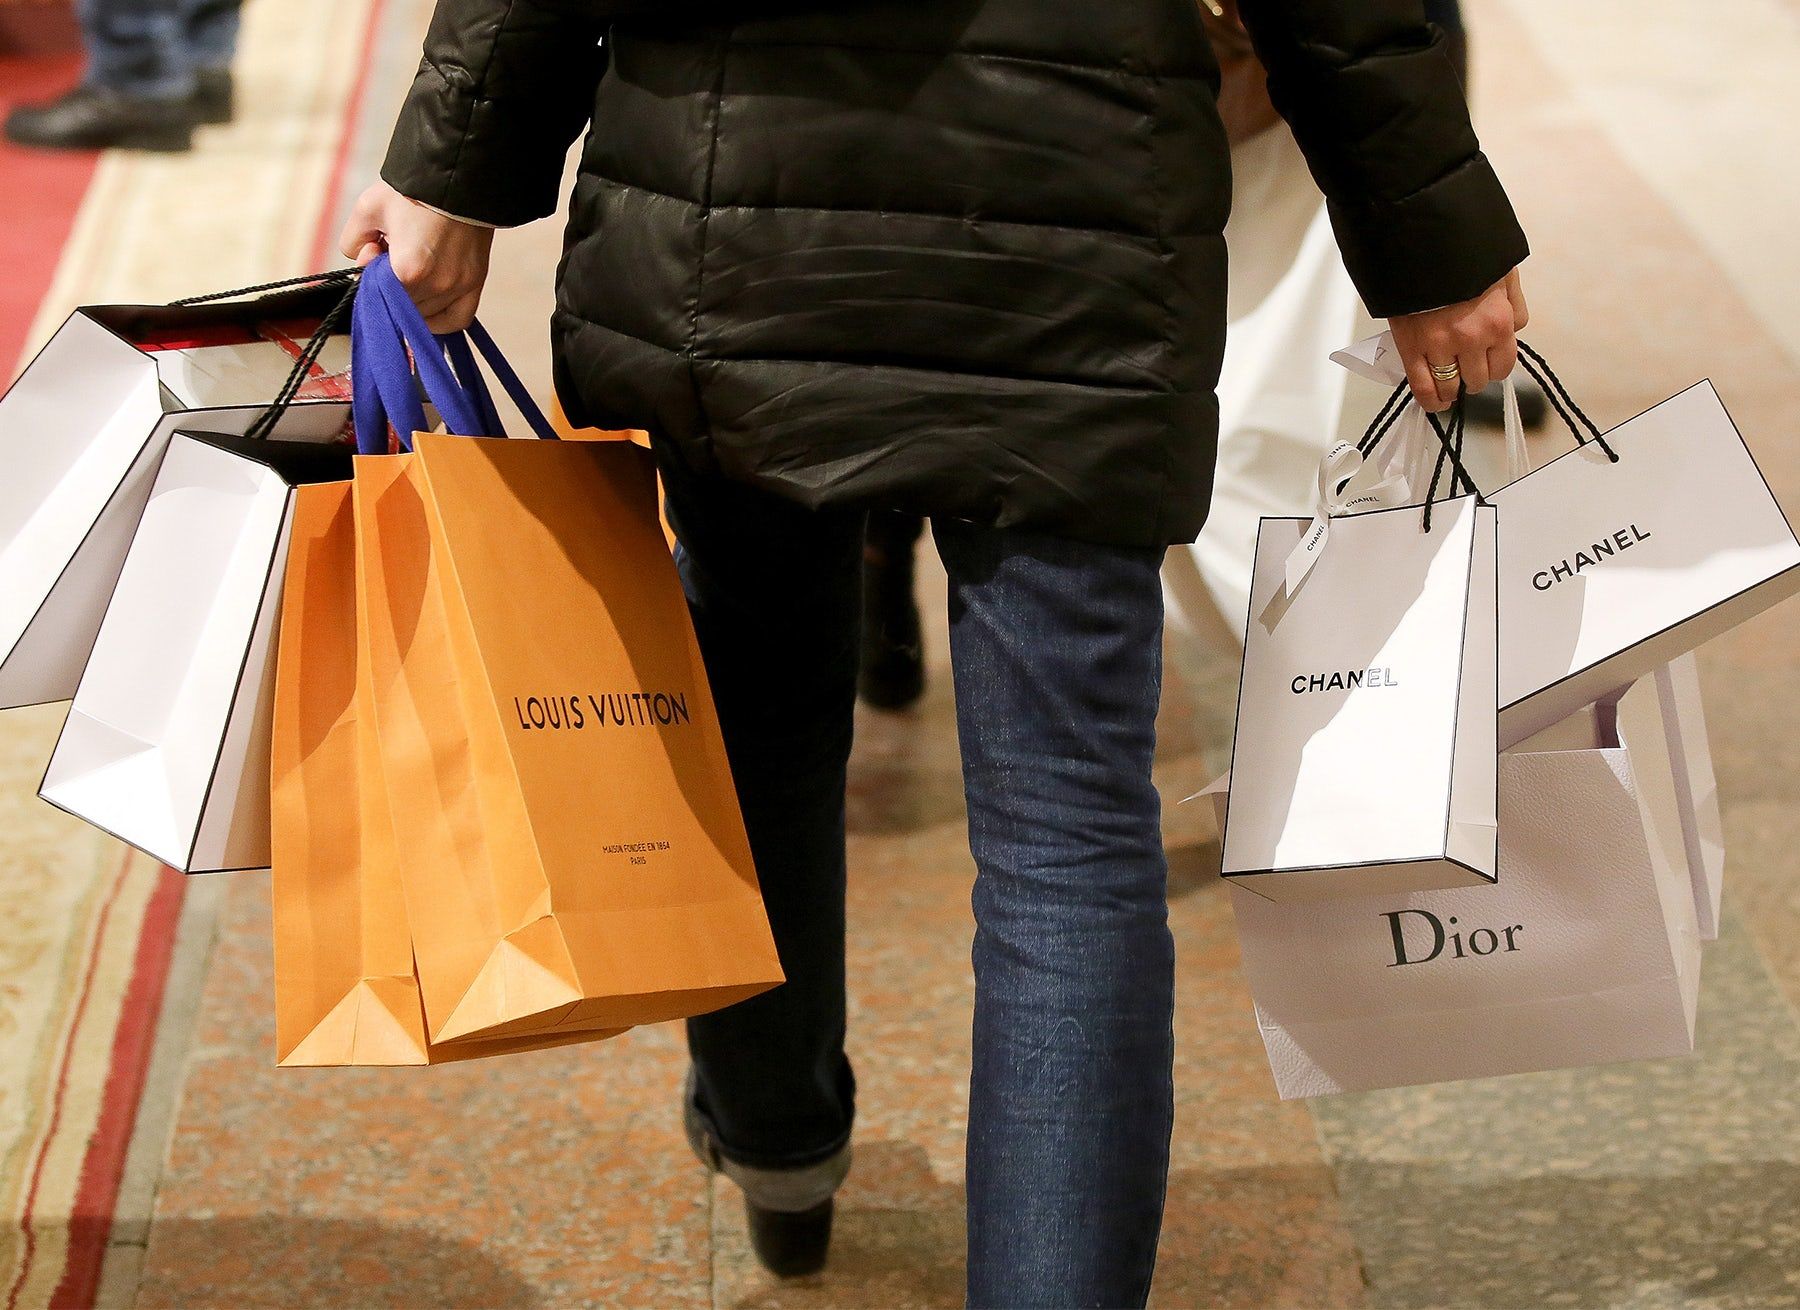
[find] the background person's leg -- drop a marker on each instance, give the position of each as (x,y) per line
(1056,649)
(135,47)
(774,592)
(211,32)
(893,654)
(137,92)
(209,45)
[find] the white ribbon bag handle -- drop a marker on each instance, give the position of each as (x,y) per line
(1405,457)
(1338,495)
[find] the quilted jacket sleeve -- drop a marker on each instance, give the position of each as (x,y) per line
(503,89)
(1370,92)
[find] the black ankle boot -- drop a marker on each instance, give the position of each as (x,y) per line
(215,96)
(790,1244)
(93,118)
(1487,407)
(789,1210)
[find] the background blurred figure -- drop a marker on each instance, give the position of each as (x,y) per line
(156,70)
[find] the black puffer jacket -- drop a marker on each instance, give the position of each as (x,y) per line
(958,256)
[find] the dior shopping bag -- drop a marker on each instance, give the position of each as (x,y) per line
(1363,760)
(574,854)
(82,433)
(346,992)
(1634,548)
(1586,951)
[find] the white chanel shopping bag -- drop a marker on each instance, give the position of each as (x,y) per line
(1632,549)
(1364,759)
(167,743)
(1684,720)
(1586,951)
(82,432)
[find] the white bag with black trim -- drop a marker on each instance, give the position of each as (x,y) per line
(1586,951)
(1632,549)
(1684,719)
(1364,759)
(82,432)
(167,743)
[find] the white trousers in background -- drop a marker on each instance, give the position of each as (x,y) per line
(1281,399)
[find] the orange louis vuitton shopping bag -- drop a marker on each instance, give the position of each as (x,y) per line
(345,990)
(573,854)
(344,987)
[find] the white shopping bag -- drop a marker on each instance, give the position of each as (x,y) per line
(167,743)
(1684,721)
(1364,759)
(1609,569)
(1696,788)
(81,434)
(1586,951)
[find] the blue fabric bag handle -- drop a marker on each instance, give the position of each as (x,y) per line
(382,389)
(384,324)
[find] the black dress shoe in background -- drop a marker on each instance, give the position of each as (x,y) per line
(93,118)
(215,96)
(1487,408)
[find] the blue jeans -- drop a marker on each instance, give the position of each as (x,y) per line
(1057,655)
(156,48)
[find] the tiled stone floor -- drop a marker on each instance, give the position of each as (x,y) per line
(559,1179)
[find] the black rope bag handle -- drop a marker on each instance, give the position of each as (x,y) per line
(1450,440)
(1560,400)
(333,277)
(1453,435)
(305,360)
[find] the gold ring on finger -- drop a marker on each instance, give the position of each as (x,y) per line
(1446,372)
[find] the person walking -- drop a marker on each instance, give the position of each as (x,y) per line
(156,70)
(960,258)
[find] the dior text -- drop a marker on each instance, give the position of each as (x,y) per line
(1482,941)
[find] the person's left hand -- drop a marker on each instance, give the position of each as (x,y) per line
(441,261)
(1471,344)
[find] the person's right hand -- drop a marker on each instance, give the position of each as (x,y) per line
(441,261)
(1478,339)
